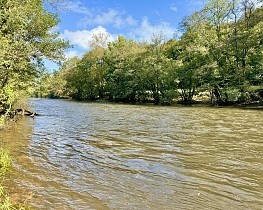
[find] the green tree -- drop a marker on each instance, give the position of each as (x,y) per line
(235,45)
(220,51)
(26,39)
(88,77)
(245,45)
(121,76)
(192,54)
(156,71)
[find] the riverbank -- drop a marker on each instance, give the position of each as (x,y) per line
(8,202)
(5,165)
(195,103)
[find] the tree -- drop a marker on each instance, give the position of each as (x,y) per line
(156,71)
(245,45)
(87,79)
(220,51)
(237,41)
(121,76)
(25,40)
(192,54)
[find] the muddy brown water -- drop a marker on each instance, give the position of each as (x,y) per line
(114,156)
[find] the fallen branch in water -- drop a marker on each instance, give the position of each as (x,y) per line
(26,112)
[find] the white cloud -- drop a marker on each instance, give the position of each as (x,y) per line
(111,17)
(72,53)
(174,8)
(257,3)
(131,21)
(81,38)
(78,7)
(146,31)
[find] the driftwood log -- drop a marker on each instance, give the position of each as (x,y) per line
(26,112)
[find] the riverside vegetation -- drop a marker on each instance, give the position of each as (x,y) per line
(218,54)
(6,203)
(26,39)
(5,165)
(5,200)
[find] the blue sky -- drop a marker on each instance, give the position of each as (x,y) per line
(136,19)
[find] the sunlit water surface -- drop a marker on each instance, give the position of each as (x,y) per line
(115,156)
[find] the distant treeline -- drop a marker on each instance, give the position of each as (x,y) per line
(219,52)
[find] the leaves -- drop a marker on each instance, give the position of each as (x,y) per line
(220,51)
(26,39)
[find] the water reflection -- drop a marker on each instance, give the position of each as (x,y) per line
(113,156)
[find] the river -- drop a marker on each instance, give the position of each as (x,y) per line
(80,155)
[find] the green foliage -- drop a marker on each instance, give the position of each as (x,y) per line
(220,52)
(50,86)
(7,97)
(5,165)
(87,80)
(25,40)
(122,74)
(5,162)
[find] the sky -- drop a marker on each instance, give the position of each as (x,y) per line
(134,19)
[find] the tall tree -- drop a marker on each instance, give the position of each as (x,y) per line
(121,76)
(26,38)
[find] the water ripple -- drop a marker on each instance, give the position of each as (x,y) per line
(116,156)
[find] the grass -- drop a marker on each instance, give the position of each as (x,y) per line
(5,166)
(5,200)
(5,162)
